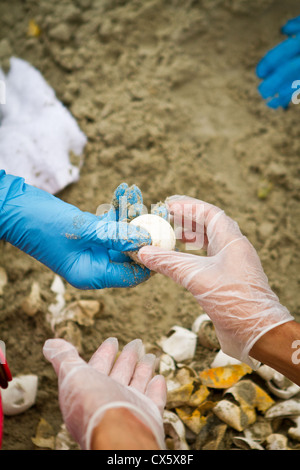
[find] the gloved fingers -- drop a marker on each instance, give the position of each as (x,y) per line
(281,78)
(161,211)
(120,236)
(278,56)
(212,228)
(63,357)
(125,274)
(127,201)
(103,359)
(282,100)
(191,217)
(143,373)
(118,257)
(135,210)
(183,268)
(292,26)
(125,364)
(157,392)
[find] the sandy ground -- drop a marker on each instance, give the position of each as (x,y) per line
(167,96)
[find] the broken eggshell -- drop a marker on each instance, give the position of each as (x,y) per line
(179,344)
(19,395)
(224,377)
(247,443)
(232,414)
(205,330)
(174,428)
(221,360)
(167,365)
(277,441)
(284,409)
(241,413)
(294,431)
(291,390)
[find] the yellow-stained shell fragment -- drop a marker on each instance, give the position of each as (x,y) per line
(224,377)
(242,412)
(192,419)
(248,393)
(179,396)
(233,414)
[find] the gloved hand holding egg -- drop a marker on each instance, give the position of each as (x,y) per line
(229,283)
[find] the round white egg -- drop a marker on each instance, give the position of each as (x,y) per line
(161,232)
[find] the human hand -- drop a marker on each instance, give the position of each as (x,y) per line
(85,249)
(88,390)
(229,283)
(280,68)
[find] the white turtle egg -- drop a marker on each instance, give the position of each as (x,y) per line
(161,232)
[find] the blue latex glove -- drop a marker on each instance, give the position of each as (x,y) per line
(85,249)
(280,68)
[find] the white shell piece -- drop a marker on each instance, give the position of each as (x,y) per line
(162,233)
(181,344)
(277,441)
(198,322)
(175,428)
(19,395)
(56,308)
(286,393)
(247,443)
(57,285)
(288,408)
(265,372)
(294,432)
(221,360)
(166,365)
(229,413)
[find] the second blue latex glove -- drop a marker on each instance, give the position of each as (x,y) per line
(280,68)
(86,250)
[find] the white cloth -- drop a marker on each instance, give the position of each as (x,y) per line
(37,132)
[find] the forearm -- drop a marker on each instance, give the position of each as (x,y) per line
(278,349)
(119,429)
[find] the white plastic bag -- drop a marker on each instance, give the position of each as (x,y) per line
(37,132)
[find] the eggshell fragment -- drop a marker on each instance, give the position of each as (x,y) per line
(180,344)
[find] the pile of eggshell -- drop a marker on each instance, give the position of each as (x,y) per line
(226,405)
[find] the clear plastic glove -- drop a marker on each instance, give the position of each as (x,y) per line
(85,249)
(280,68)
(229,283)
(87,390)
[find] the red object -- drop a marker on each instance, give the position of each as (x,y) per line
(1,421)
(5,377)
(5,374)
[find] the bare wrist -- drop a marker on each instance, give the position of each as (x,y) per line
(278,349)
(120,429)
